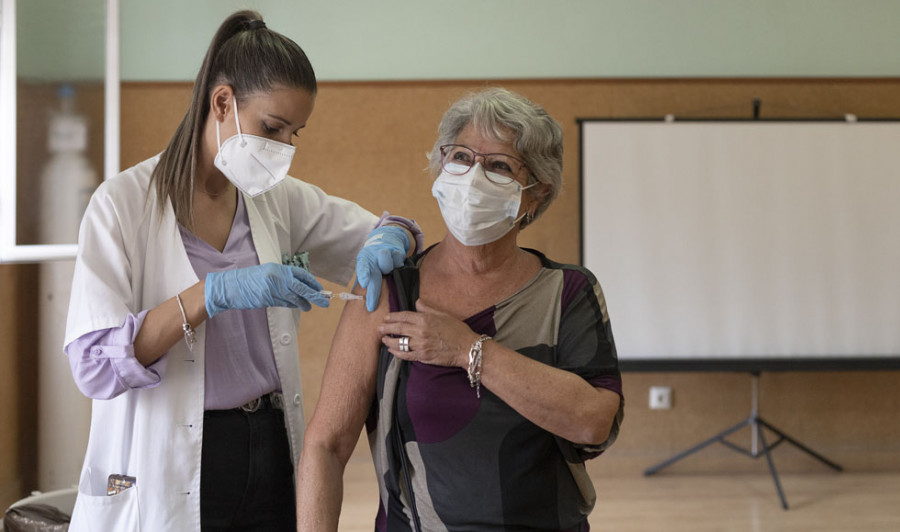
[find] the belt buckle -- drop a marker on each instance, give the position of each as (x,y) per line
(252,405)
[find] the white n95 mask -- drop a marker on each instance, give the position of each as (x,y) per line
(476,210)
(253,164)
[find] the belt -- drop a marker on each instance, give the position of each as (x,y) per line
(270,400)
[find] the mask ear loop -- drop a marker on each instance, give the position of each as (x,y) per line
(238,123)
(219,143)
(219,135)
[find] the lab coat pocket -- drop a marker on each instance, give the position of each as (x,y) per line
(99,512)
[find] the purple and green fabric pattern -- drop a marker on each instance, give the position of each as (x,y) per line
(477,464)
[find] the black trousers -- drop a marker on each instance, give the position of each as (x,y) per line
(246,475)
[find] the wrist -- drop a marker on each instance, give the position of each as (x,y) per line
(462,357)
(189,337)
(195,302)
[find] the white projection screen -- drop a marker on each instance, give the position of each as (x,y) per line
(740,240)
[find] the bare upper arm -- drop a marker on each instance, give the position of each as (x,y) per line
(348,384)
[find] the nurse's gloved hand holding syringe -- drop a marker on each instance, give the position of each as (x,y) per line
(265,285)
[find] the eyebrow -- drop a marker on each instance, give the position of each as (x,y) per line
(276,117)
(287,123)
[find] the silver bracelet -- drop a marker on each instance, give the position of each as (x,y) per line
(475,364)
(185,326)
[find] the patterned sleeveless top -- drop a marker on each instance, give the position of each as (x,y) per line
(477,464)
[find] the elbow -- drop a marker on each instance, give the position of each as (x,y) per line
(599,422)
(92,391)
(596,433)
(95,382)
(320,444)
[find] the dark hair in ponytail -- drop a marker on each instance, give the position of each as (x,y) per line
(251,58)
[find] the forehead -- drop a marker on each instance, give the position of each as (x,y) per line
(484,142)
(293,105)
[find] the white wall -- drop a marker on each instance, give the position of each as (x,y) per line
(495,39)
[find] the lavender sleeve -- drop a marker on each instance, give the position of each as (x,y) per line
(103,362)
(409,224)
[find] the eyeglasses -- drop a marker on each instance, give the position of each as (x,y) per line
(499,168)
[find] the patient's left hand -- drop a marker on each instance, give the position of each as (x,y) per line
(435,337)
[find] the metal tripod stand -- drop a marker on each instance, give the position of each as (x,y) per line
(758,444)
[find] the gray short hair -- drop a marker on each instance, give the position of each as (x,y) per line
(496,112)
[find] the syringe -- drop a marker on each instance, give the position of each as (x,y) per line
(342,295)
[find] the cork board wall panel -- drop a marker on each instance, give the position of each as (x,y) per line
(367,141)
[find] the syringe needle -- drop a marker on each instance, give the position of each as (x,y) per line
(346,296)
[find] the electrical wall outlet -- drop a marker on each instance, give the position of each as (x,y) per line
(660,397)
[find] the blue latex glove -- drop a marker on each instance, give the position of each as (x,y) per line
(266,285)
(384,251)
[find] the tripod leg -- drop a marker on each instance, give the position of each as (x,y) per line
(802,447)
(694,449)
(765,451)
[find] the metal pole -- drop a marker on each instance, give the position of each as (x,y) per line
(754,414)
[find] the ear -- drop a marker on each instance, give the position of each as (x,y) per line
(221,102)
(538,193)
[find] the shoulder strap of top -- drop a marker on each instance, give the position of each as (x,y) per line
(403,284)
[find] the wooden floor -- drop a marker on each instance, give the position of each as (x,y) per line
(826,502)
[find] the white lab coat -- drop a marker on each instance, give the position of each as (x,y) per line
(131,258)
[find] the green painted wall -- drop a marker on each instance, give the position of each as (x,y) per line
(429,39)
(60,39)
